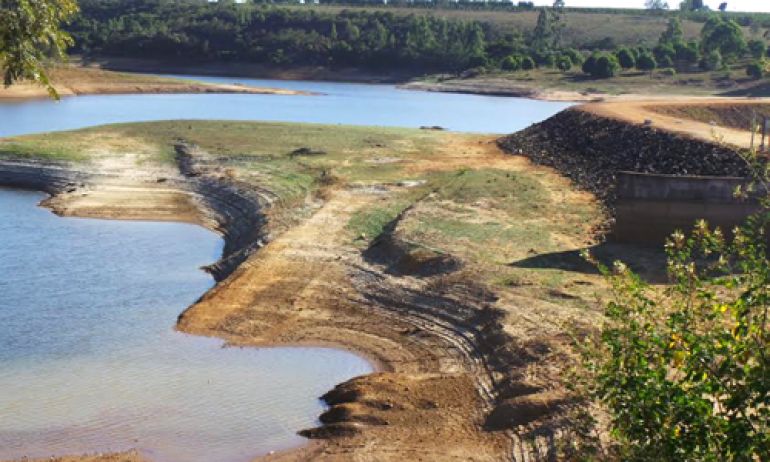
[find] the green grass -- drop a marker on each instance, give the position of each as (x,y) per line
(365,225)
(487,216)
(581,28)
(260,152)
(738,116)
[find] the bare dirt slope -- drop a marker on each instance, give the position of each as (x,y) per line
(448,262)
(639,110)
(74,80)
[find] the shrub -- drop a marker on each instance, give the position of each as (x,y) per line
(757,48)
(589,65)
(684,373)
(712,61)
(687,52)
(511,63)
(574,56)
(477,61)
(646,62)
(606,66)
(668,71)
(563,63)
(626,58)
(664,50)
(666,61)
(756,70)
(527,63)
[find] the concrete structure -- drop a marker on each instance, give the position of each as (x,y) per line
(650,207)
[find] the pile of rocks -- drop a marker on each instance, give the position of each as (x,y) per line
(591,150)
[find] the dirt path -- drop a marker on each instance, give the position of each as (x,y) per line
(637,110)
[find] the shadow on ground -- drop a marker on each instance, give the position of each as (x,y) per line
(647,262)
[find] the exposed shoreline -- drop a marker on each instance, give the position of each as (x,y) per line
(75,81)
(241,217)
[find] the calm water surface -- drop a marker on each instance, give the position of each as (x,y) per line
(89,360)
(341,103)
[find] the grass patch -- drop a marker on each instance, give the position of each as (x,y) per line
(737,116)
(509,191)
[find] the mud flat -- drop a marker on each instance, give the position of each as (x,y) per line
(374,240)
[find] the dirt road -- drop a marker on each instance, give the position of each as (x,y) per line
(638,110)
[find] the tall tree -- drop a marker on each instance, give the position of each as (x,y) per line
(673,33)
(656,4)
(29,33)
(724,36)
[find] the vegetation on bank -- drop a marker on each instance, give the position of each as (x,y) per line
(684,371)
(683,49)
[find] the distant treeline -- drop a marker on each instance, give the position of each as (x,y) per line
(200,31)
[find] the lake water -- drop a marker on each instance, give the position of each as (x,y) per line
(340,103)
(89,360)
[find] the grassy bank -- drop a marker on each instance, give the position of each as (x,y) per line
(489,212)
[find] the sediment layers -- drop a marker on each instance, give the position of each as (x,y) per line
(451,384)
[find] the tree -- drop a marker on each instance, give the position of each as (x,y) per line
(626,58)
(691,5)
(757,48)
(574,55)
(602,66)
(511,63)
(589,65)
(673,33)
(646,62)
(756,70)
(687,52)
(723,7)
(712,61)
(723,35)
(563,63)
(656,5)
(29,33)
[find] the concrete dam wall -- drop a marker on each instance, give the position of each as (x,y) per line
(651,207)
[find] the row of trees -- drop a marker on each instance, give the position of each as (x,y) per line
(225,31)
(200,31)
(721,42)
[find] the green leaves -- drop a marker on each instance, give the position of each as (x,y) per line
(30,33)
(685,374)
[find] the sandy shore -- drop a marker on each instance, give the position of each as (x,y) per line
(74,80)
(501,88)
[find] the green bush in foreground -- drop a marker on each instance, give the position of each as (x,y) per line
(685,375)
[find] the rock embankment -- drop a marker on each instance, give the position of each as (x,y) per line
(591,150)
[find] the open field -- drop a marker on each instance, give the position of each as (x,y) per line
(70,80)
(451,264)
(582,28)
